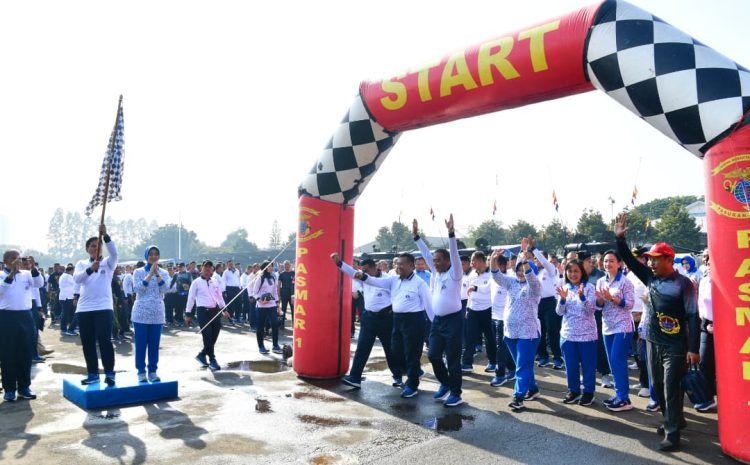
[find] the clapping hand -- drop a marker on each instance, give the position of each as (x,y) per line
(562,292)
(581,290)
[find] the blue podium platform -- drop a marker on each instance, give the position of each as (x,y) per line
(127,391)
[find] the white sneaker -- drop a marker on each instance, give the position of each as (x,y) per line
(643,392)
(606,381)
(633,366)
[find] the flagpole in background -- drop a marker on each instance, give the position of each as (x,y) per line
(107,174)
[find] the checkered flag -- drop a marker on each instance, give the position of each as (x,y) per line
(686,90)
(354,153)
(110,179)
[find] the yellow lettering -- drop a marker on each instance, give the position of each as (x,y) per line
(745,289)
(746,347)
(743,315)
(423,82)
(300,281)
(397,100)
(299,310)
(301,268)
(299,342)
(498,59)
(300,294)
(744,269)
(303,251)
(743,238)
(746,371)
(536,44)
(461,77)
(299,323)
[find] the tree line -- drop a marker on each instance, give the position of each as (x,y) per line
(663,219)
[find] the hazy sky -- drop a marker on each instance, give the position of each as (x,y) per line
(228,104)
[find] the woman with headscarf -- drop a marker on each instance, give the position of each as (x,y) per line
(150,285)
(266,293)
(690,270)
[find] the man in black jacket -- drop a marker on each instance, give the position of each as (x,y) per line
(672,328)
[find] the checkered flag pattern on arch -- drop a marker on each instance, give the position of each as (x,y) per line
(350,159)
(686,90)
(113,161)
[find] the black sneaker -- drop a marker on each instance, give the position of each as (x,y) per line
(517,404)
(683,425)
(532,395)
(201,358)
(571,398)
(214,365)
(586,399)
(109,379)
(669,444)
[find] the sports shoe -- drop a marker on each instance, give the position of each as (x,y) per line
(607,381)
(109,378)
(263,351)
(644,392)
(276,350)
(633,366)
(153,377)
(201,358)
(620,406)
(92,378)
(214,365)
(586,399)
(467,368)
(543,362)
(533,394)
(511,376)
(558,365)
(142,378)
(38,359)
(610,401)
(498,381)
(571,398)
(397,382)
(26,394)
(421,373)
(409,392)
(706,406)
(517,404)
(453,400)
(349,381)
(441,393)
(490,368)
(653,406)
(667,444)
(9,396)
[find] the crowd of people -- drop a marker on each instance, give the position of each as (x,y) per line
(582,314)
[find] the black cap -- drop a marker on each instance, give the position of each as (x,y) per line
(583,255)
(639,251)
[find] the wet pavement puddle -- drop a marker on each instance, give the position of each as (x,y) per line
(302,395)
(404,407)
(321,421)
(450,422)
(259,366)
(263,405)
(69,369)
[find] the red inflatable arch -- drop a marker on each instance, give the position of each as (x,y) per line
(689,92)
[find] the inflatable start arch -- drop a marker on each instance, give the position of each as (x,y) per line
(689,92)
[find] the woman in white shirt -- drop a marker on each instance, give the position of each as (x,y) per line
(266,293)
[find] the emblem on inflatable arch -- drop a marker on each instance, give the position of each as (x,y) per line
(306,232)
(737,185)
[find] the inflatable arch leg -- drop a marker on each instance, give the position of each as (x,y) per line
(727,167)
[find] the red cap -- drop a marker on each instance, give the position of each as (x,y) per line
(659,249)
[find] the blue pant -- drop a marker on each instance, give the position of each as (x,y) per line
(267,314)
(504,359)
(618,349)
(580,356)
(446,334)
(16,342)
(523,352)
(373,325)
(147,338)
(407,343)
(479,323)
